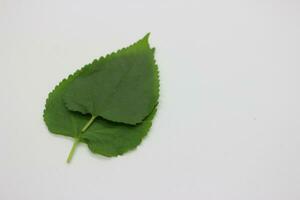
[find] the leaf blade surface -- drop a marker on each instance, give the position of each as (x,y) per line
(121,87)
(62,121)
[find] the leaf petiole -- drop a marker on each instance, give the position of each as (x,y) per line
(77,140)
(88,124)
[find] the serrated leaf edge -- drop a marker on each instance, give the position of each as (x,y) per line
(110,56)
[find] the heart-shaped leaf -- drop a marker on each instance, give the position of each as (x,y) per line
(102,136)
(121,87)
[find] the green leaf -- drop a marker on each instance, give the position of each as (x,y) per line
(103,137)
(121,87)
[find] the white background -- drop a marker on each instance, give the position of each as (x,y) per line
(228,126)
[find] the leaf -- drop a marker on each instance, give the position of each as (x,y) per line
(122,87)
(102,137)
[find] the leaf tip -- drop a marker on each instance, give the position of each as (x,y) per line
(146,37)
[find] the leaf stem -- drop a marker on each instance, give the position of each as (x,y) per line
(88,124)
(77,140)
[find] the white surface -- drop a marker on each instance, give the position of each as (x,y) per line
(228,122)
